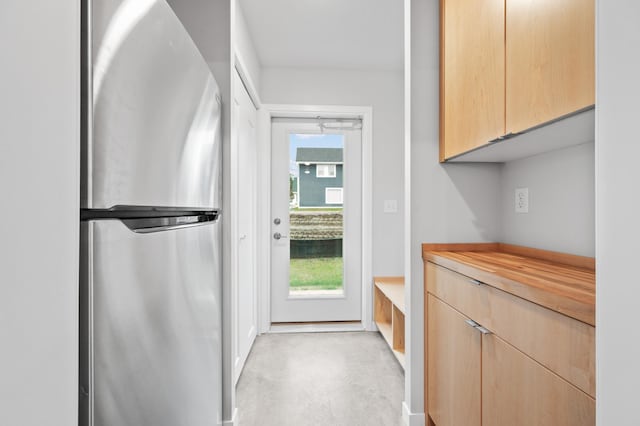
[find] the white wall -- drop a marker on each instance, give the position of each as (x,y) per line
(561,201)
(449,203)
(383,90)
(209,24)
(617,212)
(245,49)
(39,214)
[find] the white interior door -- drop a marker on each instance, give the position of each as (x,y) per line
(245,117)
(316,223)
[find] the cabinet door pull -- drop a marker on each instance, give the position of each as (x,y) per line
(477,326)
(472,323)
(476,282)
(504,137)
(482,330)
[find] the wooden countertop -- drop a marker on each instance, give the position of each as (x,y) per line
(562,282)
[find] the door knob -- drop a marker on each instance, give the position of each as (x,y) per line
(276,221)
(278,236)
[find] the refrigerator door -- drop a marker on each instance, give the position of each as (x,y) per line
(151,344)
(153,111)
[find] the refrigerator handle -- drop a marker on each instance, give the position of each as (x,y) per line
(159,224)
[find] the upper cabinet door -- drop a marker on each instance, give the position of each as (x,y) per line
(472,74)
(549,60)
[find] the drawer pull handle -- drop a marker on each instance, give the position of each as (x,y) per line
(476,282)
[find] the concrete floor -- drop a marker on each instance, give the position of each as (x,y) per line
(324,379)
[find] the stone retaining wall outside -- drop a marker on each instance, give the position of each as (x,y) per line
(316,234)
(316,225)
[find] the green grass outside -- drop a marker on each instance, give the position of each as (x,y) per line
(323,273)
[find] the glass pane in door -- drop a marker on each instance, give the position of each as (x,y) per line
(316,170)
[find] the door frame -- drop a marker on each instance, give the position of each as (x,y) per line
(265,114)
(237,359)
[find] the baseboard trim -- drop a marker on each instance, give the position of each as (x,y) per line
(411,419)
(316,327)
(234,419)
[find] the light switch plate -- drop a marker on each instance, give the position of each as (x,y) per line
(391,206)
(522,200)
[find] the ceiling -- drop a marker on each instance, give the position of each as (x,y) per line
(342,34)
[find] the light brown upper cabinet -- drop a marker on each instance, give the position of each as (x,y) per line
(472,74)
(507,66)
(550,60)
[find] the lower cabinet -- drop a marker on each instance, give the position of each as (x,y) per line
(477,376)
(454,368)
(516,390)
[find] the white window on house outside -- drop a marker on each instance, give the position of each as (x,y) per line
(326,170)
(333,195)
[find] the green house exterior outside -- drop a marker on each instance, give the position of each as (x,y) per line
(311,189)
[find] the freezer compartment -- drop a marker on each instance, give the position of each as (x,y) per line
(152,110)
(150,326)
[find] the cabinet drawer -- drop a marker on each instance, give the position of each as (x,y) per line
(562,344)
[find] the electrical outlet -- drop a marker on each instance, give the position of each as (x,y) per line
(391,206)
(522,200)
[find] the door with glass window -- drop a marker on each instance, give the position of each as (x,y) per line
(316,226)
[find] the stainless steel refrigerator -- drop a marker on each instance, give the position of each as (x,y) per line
(150,346)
